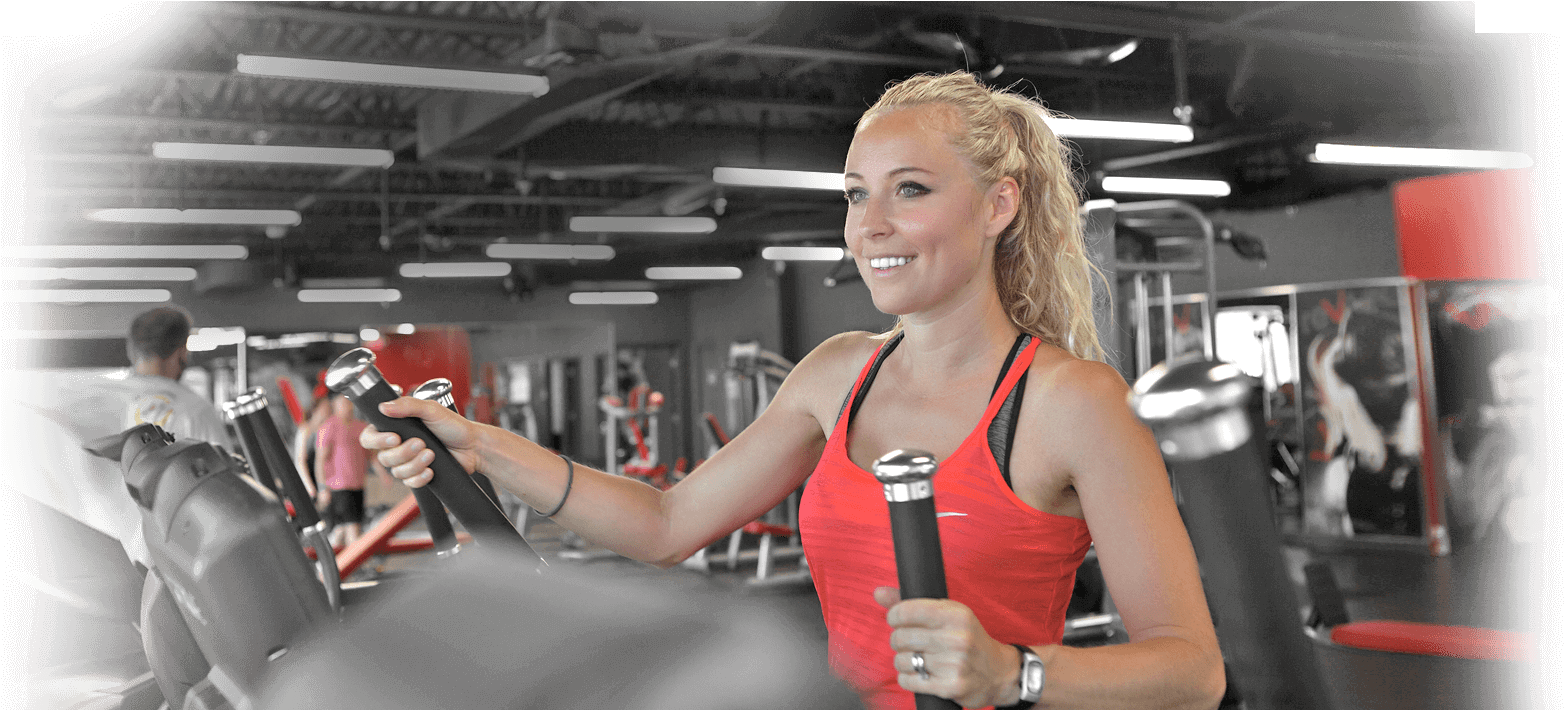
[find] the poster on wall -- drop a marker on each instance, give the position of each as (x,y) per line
(1486,365)
(1361,419)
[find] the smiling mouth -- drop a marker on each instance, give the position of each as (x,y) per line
(889,262)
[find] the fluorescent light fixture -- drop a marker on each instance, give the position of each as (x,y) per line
(393,75)
(758,177)
(455,270)
(86,295)
(694,273)
(97,273)
(1417,157)
(1104,204)
(152,215)
(1166,186)
(660,225)
(582,252)
(1121,130)
(406,329)
(203,339)
(127,251)
(300,154)
(1123,51)
(349,295)
(803,253)
(368,334)
(613,298)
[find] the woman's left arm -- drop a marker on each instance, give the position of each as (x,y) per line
(1172,659)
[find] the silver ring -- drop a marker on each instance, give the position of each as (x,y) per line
(919,666)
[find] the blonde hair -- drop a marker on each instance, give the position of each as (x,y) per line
(1041,267)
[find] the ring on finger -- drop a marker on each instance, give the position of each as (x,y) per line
(919,665)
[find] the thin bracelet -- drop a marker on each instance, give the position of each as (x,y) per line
(570,478)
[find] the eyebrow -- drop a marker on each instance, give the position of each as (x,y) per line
(893,173)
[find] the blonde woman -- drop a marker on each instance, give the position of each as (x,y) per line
(962,220)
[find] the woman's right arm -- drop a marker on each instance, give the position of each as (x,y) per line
(745,478)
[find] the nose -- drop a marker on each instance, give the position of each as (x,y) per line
(872,219)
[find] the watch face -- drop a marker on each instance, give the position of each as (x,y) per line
(1032,679)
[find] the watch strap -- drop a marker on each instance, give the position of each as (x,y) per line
(1023,703)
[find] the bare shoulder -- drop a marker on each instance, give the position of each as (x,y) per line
(1072,387)
(826,374)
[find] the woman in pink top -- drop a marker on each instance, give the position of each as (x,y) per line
(340,464)
(963,219)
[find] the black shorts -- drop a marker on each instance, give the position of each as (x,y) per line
(347,507)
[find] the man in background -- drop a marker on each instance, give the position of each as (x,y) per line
(158,356)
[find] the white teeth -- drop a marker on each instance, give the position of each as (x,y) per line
(886,262)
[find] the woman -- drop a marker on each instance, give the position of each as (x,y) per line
(962,219)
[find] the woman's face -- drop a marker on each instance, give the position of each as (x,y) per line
(918,226)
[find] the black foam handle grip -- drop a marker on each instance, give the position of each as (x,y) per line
(275,454)
(920,566)
(254,454)
(450,481)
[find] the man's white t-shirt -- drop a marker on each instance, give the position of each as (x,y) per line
(173,406)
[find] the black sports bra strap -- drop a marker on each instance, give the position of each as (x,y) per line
(857,397)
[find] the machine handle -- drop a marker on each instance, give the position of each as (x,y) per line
(355,376)
(907,476)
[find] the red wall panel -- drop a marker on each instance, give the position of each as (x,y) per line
(1467,226)
(429,351)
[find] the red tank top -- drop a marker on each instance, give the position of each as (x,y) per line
(1012,564)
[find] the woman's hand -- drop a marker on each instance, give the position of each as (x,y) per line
(323,498)
(409,461)
(964,663)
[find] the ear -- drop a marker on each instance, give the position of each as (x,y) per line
(1004,200)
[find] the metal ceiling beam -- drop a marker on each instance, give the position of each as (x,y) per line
(1207,148)
(291,11)
(264,197)
(189,122)
(1130,20)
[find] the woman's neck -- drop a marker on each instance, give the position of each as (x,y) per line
(954,341)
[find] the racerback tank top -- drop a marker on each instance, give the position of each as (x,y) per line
(1012,564)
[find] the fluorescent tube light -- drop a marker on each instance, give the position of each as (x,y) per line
(660,225)
(455,270)
(349,295)
(86,295)
(1121,130)
(368,334)
(393,75)
(302,154)
(205,339)
(1417,157)
(1103,204)
(757,177)
(406,329)
(613,298)
(127,251)
(1166,186)
(152,215)
(583,252)
(694,273)
(803,253)
(97,273)
(1123,51)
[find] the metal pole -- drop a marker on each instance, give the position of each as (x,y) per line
(1167,316)
(1142,325)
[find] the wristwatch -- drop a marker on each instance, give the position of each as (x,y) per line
(1032,678)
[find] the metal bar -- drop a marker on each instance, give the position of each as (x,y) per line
(1167,317)
(1155,266)
(1142,326)
(1190,151)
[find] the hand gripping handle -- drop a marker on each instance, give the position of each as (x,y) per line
(355,376)
(907,476)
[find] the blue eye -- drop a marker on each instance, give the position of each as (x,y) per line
(911,189)
(855,195)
